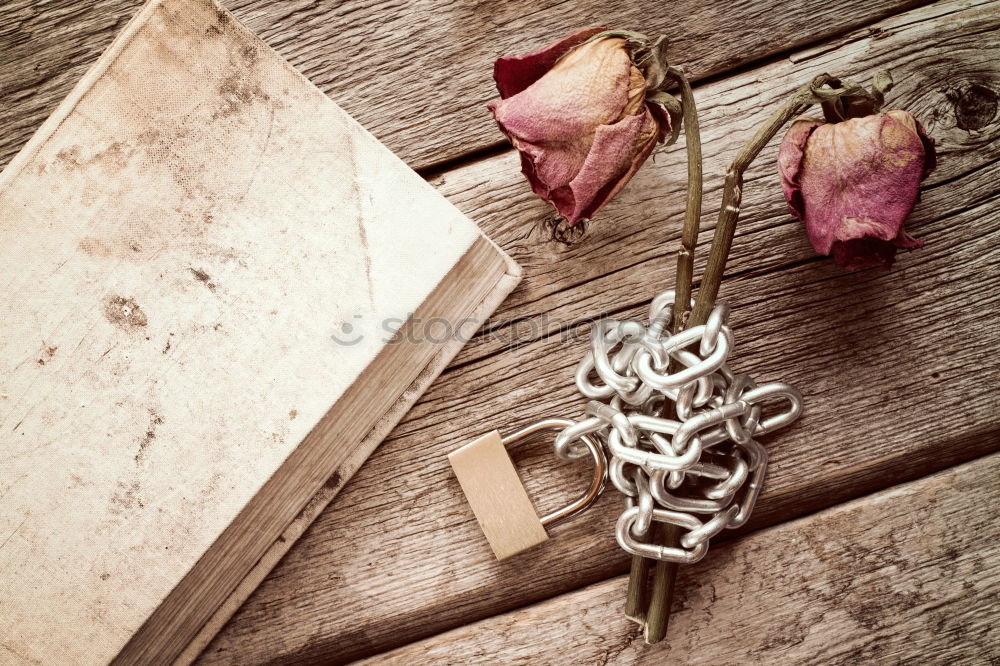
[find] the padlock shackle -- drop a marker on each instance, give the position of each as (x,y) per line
(586,500)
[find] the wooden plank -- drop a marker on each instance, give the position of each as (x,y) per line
(937,52)
(400,555)
(415,72)
(908,575)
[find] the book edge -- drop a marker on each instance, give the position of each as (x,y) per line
(170,627)
(507,282)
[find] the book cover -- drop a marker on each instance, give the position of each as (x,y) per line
(203,260)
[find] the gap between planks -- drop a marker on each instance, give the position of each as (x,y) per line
(360,52)
(908,573)
(312,607)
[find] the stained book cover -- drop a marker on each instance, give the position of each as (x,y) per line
(202,258)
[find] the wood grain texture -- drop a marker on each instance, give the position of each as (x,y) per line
(280,547)
(938,53)
(896,367)
(415,72)
(908,575)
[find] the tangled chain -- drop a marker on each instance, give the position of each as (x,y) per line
(706,462)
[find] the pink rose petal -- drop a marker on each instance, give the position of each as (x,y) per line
(793,148)
(853,183)
(583,128)
(617,153)
(515,73)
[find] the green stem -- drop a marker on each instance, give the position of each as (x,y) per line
(661,597)
(635,600)
(665,573)
(658,615)
(732,195)
(692,211)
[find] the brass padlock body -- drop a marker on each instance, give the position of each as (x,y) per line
(497,496)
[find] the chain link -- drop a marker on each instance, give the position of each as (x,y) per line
(678,425)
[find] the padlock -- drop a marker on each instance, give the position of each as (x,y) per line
(499,501)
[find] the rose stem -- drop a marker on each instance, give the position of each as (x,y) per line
(635,598)
(638,578)
(692,213)
(732,195)
(666,572)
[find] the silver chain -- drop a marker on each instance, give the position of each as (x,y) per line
(707,461)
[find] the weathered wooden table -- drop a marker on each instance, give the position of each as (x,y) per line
(876,538)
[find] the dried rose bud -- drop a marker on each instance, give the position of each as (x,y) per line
(854,182)
(579,114)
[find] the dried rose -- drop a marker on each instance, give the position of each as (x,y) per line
(583,115)
(854,181)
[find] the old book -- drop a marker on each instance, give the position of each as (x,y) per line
(217,295)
